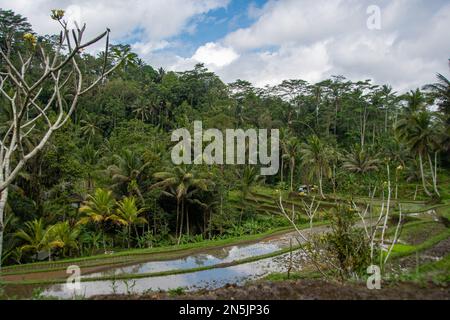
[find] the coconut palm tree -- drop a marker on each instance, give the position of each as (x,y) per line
(89,157)
(145,108)
(359,160)
(128,215)
(126,170)
(89,127)
(418,131)
(284,155)
(415,101)
(179,182)
(388,97)
(97,209)
(37,237)
(292,150)
(66,235)
(441,92)
(315,156)
(247,180)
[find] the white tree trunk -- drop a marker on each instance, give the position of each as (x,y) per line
(3,199)
(292,173)
(433,170)
(320,184)
(423,176)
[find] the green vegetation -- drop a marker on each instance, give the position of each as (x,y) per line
(101,190)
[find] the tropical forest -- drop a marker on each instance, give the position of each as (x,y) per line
(93,206)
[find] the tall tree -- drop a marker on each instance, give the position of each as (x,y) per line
(22,92)
(128,215)
(315,156)
(418,131)
(180,182)
(98,208)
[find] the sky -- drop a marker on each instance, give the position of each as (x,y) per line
(403,43)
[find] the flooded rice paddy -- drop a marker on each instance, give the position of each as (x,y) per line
(205,279)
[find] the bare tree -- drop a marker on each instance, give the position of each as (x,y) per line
(375,240)
(58,69)
(375,226)
(311,210)
(303,239)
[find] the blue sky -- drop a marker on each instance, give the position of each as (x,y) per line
(207,27)
(267,41)
(216,24)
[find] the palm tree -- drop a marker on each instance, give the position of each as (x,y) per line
(208,208)
(292,150)
(66,235)
(37,237)
(89,128)
(283,132)
(126,171)
(92,239)
(418,131)
(247,179)
(180,182)
(89,157)
(415,101)
(317,91)
(145,108)
(315,156)
(388,97)
(127,214)
(441,92)
(359,160)
(97,209)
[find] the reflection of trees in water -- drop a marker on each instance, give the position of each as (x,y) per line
(201,259)
(221,253)
(213,256)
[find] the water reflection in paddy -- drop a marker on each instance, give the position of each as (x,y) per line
(209,258)
(208,279)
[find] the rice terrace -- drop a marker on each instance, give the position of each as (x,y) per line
(263,150)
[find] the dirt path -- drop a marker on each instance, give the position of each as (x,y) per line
(306,289)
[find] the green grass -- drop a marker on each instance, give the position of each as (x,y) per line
(436,271)
(283,276)
(444,213)
(427,228)
(176,292)
(401,250)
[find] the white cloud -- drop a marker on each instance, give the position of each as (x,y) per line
(313,40)
(215,55)
(145,48)
(289,62)
(305,21)
(302,39)
(156,19)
